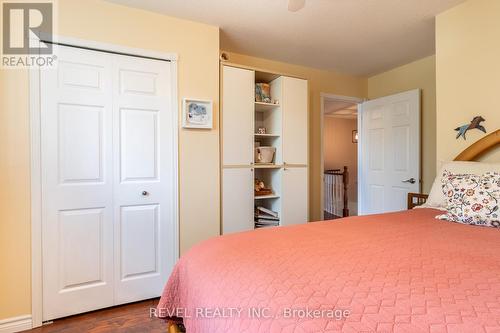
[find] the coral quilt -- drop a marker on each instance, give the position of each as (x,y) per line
(397,272)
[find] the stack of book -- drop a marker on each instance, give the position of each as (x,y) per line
(266,218)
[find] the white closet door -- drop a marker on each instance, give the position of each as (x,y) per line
(237,198)
(294,196)
(238,100)
(108,180)
(143,171)
(294,121)
(77,183)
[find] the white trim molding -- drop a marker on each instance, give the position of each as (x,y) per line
(36,199)
(36,318)
(106,47)
(15,324)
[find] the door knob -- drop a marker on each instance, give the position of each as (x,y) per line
(411,181)
(145,193)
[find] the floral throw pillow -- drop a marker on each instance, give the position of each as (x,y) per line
(472,199)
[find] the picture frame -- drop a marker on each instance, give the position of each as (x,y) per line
(355,136)
(197,113)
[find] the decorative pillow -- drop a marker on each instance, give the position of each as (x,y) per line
(436,198)
(472,199)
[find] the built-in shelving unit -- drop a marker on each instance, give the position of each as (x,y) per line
(246,121)
(269,116)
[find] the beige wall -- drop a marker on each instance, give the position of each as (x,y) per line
(419,74)
(468,73)
(340,151)
(15,243)
(319,81)
(198,48)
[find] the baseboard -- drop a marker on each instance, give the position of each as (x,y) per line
(15,324)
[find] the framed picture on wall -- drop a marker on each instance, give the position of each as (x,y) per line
(197,113)
(355,136)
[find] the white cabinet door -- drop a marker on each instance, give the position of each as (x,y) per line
(143,173)
(77,184)
(238,103)
(295,121)
(294,196)
(237,200)
(389,157)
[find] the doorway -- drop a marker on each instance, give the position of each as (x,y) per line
(340,156)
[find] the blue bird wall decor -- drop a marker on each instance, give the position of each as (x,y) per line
(475,123)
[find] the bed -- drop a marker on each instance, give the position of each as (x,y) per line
(394,272)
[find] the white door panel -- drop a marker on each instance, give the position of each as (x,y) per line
(295,121)
(237,198)
(143,177)
(238,99)
(107,180)
(389,153)
(294,196)
(77,186)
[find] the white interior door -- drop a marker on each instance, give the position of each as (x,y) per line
(77,184)
(294,121)
(294,196)
(237,198)
(143,174)
(389,152)
(238,100)
(108,180)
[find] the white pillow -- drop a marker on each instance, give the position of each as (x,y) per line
(437,198)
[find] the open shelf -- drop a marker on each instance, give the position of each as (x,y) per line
(263,107)
(257,135)
(267,166)
(269,196)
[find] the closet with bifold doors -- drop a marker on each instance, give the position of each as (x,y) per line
(264,145)
(108,174)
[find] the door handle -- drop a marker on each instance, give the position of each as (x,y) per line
(411,181)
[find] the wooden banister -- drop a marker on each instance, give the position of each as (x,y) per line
(345,183)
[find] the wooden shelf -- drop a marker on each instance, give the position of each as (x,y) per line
(262,107)
(257,135)
(269,196)
(267,166)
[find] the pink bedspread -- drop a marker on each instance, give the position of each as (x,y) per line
(399,272)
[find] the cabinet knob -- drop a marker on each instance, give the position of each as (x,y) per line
(145,193)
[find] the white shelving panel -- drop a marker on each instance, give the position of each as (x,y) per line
(264,107)
(263,197)
(267,135)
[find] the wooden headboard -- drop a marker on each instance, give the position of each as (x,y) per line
(480,147)
(471,153)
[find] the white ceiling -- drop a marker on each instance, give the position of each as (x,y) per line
(358,37)
(340,109)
